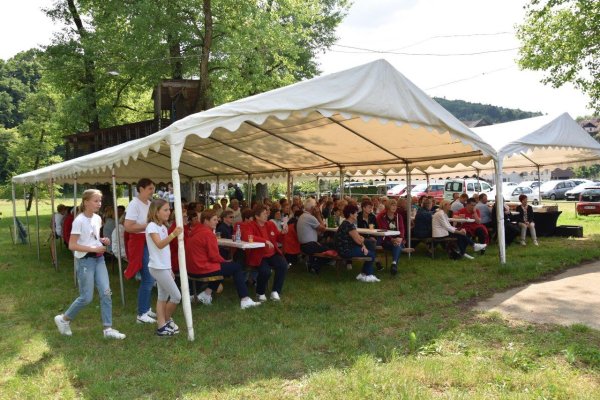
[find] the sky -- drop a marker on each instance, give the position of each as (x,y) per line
(375,29)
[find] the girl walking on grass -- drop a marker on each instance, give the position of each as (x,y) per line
(88,248)
(158,239)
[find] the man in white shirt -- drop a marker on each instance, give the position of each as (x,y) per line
(460,202)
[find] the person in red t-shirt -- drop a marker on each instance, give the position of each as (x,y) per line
(203,260)
(474,229)
(266,258)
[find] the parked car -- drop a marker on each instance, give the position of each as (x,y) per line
(514,193)
(574,193)
(530,184)
(507,186)
(469,186)
(399,190)
(589,202)
(435,189)
(555,190)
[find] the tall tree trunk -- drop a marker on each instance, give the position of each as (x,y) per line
(175,54)
(204,97)
(88,80)
(36,165)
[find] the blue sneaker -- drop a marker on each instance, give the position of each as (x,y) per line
(165,330)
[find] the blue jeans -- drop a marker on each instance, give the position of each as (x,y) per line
(356,251)
(146,285)
(92,271)
(396,250)
(279,264)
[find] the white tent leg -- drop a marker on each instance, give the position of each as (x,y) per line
(74,213)
(500,210)
(183,276)
(37,221)
(52,224)
(118,252)
(27,216)
(540,184)
(217,188)
(14,206)
(408,207)
(318,189)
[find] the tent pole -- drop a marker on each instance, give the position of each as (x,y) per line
(183,276)
(385,190)
(427,190)
(318,188)
(37,221)
(341,183)
(288,192)
(193,193)
(118,252)
(14,206)
(26,215)
(218,187)
(539,183)
(500,210)
(52,225)
(408,207)
(75,214)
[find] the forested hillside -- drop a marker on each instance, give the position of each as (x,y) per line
(466,111)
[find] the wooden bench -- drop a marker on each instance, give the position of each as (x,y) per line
(203,281)
(431,242)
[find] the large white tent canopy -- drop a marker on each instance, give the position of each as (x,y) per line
(367,117)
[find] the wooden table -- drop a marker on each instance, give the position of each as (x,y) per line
(461,220)
(371,232)
(239,245)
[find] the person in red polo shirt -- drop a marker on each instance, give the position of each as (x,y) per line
(474,229)
(266,258)
(203,260)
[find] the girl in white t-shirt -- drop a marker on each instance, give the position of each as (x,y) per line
(159,264)
(88,248)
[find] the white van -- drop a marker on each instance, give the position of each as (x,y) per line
(469,186)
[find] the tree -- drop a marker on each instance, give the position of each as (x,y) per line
(562,37)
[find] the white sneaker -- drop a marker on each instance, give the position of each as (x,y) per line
(535,242)
(468,257)
(262,297)
(111,333)
(479,246)
(523,243)
(145,319)
(361,277)
(204,298)
(275,296)
(371,279)
(64,327)
(171,324)
(151,313)
(247,303)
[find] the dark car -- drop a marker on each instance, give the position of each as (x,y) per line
(589,202)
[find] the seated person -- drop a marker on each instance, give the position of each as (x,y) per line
(225,229)
(203,260)
(118,240)
(266,258)
(276,218)
(441,228)
(423,220)
(67,224)
(526,221)
(108,219)
(485,212)
(350,244)
(390,219)
(237,211)
(511,230)
(474,229)
(308,228)
(291,244)
(59,216)
(459,203)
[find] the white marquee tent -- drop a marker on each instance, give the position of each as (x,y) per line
(361,119)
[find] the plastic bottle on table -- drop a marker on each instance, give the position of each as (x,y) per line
(238,235)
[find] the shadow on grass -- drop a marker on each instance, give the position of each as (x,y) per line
(323,322)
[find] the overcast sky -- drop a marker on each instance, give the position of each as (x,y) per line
(377,29)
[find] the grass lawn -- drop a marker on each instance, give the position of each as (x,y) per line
(413,336)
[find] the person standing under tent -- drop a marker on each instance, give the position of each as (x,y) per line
(88,248)
(525,220)
(136,217)
(159,265)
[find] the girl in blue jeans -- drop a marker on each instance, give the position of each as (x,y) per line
(88,248)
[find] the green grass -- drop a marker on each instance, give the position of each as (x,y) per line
(331,337)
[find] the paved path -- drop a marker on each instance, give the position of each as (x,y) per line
(572,297)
